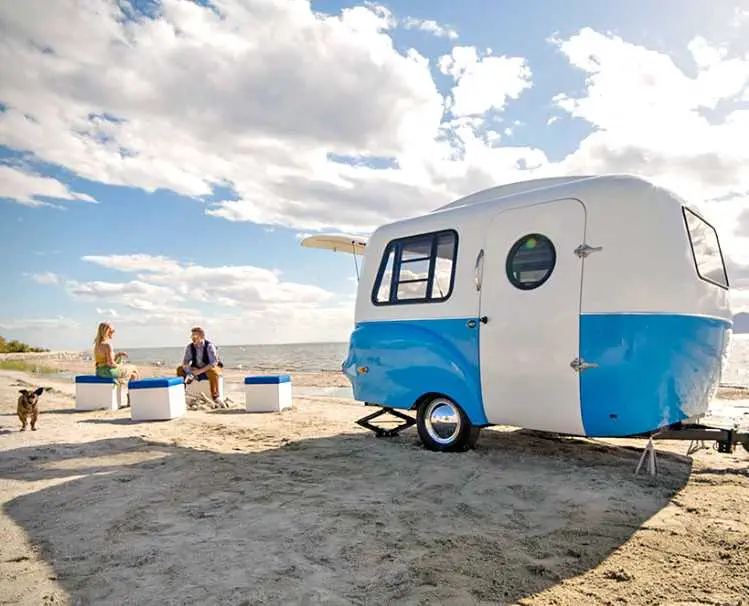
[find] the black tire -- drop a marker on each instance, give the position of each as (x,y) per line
(454,434)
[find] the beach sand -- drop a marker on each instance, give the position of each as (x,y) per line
(305,507)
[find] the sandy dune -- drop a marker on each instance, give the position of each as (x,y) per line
(305,507)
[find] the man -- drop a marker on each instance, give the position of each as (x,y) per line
(201,361)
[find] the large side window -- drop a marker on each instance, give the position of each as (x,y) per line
(417,269)
(708,258)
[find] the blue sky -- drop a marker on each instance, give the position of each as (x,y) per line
(158,167)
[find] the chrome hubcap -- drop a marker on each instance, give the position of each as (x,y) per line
(442,421)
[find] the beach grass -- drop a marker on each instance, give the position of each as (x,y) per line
(26,366)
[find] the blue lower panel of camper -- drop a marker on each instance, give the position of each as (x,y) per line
(395,363)
(653,370)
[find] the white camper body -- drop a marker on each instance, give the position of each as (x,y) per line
(591,306)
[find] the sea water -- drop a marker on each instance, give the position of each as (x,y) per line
(301,357)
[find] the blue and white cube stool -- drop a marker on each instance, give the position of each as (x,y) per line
(97,393)
(158,399)
(270,393)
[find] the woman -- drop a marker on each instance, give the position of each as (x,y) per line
(106,360)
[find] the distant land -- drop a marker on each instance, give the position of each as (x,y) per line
(741,323)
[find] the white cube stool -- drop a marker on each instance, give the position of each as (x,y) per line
(159,399)
(97,393)
(271,393)
(204,386)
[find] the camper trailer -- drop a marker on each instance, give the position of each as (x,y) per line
(586,306)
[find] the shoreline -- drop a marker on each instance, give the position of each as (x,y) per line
(73,363)
(63,354)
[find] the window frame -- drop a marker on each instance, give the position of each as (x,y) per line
(395,246)
(513,252)
(684,211)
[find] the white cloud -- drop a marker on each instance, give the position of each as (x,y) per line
(135,262)
(483,83)
(111,313)
(254,95)
(46,278)
(649,116)
(431,26)
(26,187)
(136,294)
(740,17)
(737,242)
(165,281)
(740,301)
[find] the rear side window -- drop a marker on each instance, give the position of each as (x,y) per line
(708,258)
(417,269)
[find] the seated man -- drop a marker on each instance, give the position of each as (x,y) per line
(201,360)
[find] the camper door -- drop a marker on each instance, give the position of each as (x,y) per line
(530,304)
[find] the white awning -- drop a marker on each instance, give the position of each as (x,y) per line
(337,243)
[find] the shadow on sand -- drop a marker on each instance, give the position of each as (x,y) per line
(234,411)
(347,519)
(120,421)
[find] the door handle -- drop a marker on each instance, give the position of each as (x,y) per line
(471,324)
(478,270)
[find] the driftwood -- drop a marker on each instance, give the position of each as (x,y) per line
(200,401)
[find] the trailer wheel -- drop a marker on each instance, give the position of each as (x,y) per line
(443,426)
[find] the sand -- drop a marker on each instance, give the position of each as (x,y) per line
(305,507)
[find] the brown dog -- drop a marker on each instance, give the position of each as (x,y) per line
(28,406)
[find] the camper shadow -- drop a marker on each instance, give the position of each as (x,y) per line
(337,520)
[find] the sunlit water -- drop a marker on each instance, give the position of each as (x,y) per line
(304,357)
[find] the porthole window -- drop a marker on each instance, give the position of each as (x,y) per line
(531,261)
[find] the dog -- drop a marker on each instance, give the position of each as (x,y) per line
(28,406)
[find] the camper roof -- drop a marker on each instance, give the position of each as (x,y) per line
(524,193)
(510,189)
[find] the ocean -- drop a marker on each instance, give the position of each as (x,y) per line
(302,357)
(311,357)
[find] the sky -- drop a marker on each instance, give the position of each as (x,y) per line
(160,160)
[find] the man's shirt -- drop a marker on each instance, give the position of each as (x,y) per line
(212,357)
